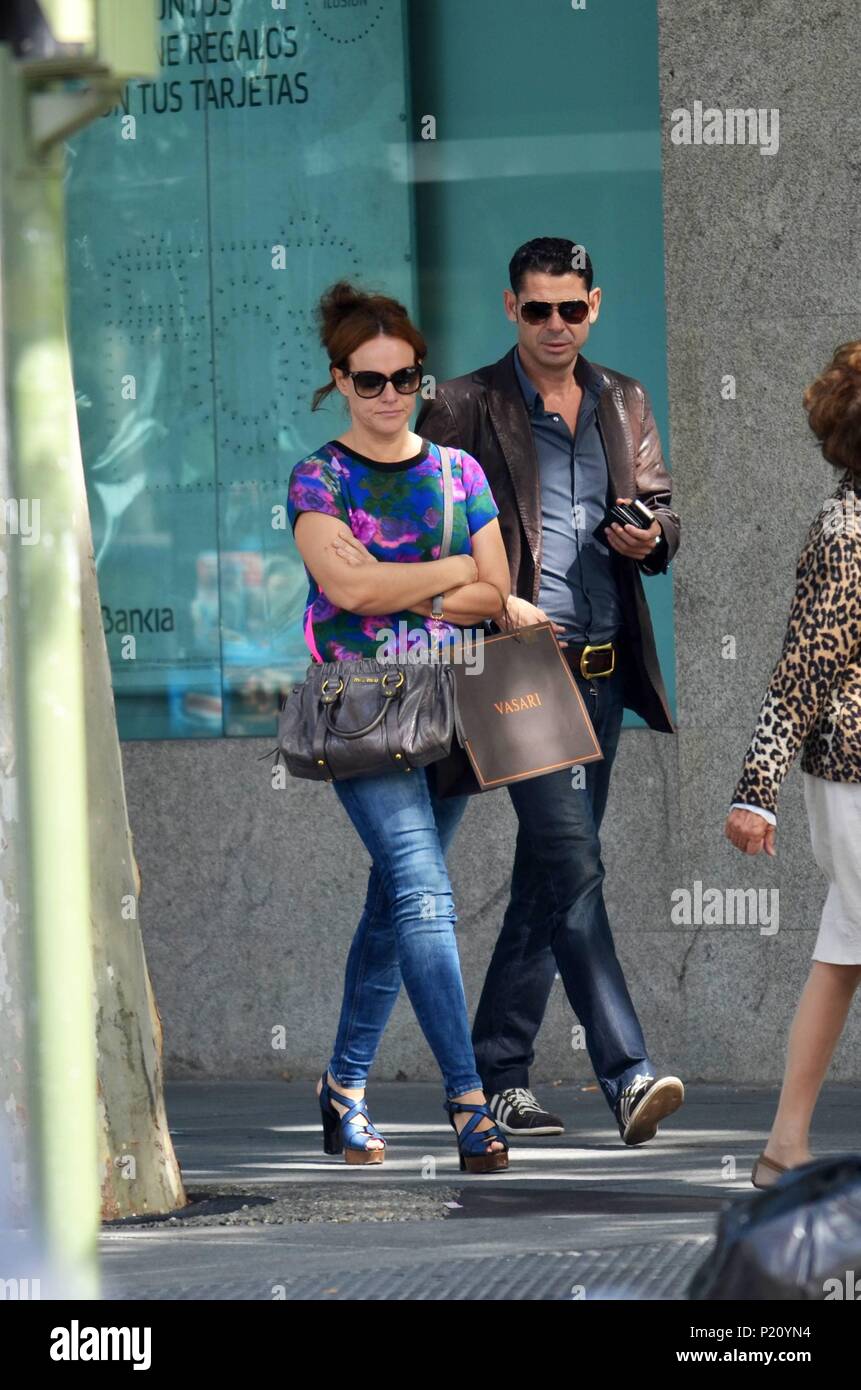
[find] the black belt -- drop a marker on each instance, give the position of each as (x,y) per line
(592,659)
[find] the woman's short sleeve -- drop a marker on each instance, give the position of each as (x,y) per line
(315,487)
(480,505)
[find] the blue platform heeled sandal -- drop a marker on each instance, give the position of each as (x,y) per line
(472,1142)
(347,1133)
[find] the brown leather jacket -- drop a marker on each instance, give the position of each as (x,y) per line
(485,414)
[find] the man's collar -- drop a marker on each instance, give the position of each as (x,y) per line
(584,374)
(530,391)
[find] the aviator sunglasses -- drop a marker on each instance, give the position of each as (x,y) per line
(406,382)
(570,310)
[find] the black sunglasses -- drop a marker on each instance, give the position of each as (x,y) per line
(406,381)
(570,310)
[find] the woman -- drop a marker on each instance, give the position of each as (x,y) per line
(366,511)
(814,702)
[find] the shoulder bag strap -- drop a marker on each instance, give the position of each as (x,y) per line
(445,456)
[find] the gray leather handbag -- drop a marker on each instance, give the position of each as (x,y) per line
(363,717)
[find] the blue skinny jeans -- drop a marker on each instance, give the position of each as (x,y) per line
(406,930)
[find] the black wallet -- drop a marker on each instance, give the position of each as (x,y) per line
(634,513)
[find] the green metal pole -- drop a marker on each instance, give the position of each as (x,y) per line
(48,663)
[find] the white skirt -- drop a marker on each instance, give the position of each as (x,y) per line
(834,813)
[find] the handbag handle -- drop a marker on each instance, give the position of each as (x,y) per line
(388,694)
(447,514)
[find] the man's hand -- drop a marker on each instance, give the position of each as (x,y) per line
(523,614)
(633,541)
(749,832)
(349,548)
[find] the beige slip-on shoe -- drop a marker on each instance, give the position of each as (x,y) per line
(766,1172)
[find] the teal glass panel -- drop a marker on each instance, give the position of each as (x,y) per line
(547,124)
(205,216)
(278,149)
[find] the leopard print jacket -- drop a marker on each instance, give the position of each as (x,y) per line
(813,701)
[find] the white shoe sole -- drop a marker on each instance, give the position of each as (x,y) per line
(664,1098)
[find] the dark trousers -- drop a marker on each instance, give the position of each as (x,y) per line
(556,920)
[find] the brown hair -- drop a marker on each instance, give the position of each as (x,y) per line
(348,317)
(833,405)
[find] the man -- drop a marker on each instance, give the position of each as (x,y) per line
(559,439)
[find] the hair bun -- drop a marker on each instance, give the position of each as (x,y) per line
(339,301)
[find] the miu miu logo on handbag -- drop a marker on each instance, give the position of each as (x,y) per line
(520,702)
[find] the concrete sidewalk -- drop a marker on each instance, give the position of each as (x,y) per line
(580,1216)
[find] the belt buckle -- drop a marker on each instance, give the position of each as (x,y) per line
(600,647)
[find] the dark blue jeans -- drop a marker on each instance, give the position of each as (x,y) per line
(406,931)
(556,920)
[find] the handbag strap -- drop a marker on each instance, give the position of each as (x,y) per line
(447,512)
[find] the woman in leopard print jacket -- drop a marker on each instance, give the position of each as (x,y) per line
(813,703)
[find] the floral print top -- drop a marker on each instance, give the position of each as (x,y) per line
(396,511)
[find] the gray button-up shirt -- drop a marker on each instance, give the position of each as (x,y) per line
(578,585)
